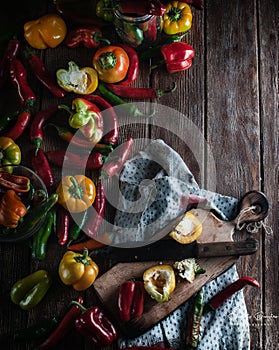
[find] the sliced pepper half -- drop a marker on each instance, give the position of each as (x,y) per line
(187,230)
(82,81)
(159,282)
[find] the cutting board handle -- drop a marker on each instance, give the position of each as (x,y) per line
(253,207)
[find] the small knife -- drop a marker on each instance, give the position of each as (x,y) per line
(169,249)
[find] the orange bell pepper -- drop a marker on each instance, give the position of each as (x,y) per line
(111,63)
(78,270)
(11,209)
(47,31)
(76,193)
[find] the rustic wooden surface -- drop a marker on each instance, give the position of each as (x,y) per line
(231,95)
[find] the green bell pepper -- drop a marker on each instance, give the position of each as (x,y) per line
(10,153)
(30,290)
(104,10)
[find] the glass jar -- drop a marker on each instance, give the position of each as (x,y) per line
(137,31)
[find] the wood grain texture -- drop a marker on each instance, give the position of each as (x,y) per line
(230,94)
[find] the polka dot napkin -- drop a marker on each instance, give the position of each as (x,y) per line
(153,185)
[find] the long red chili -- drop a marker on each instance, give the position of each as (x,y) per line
(139,92)
(68,159)
(111,167)
(18,75)
(42,167)
(133,69)
(110,119)
(20,126)
(43,74)
(65,326)
(93,223)
(11,52)
(36,129)
(228,291)
(63,219)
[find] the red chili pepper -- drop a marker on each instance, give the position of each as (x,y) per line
(89,37)
(18,75)
(95,326)
(139,92)
(133,69)
(43,74)
(41,166)
(68,136)
(152,7)
(72,160)
(177,56)
(66,325)
(20,126)
(11,52)
(228,291)
(111,166)
(63,219)
(36,129)
(130,300)
(93,223)
(110,119)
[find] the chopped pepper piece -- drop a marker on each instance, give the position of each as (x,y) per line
(76,193)
(30,290)
(78,270)
(18,183)
(187,230)
(177,56)
(12,209)
(47,31)
(81,81)
(177,18)
(159,282)
(87,117)
(130,300)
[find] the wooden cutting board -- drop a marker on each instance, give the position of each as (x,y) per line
(214,230)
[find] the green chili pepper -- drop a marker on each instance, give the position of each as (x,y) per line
(77,225)
(30,290)
(32,218)
(130,108)
(40,330)
(134,34)
(41,237)
(194,321)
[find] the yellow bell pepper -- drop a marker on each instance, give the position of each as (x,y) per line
(159,282)
(78,270)
(81,81)
(177,18)
(187,230)
(76,193)
(47,31)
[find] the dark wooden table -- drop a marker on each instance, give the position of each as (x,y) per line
(231,95)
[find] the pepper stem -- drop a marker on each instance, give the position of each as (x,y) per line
(97,38)
(84,309)
(160,93)
(66,108)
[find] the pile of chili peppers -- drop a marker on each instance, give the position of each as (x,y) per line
(93,148)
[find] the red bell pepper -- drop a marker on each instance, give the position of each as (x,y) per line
(177,56)
(95,326)
(89,37)
(131,300)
